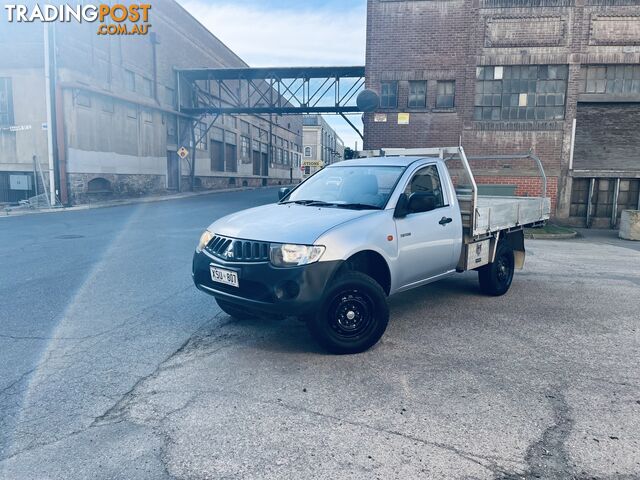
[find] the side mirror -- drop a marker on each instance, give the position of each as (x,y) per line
(283,192)
(421,202)
(402,207)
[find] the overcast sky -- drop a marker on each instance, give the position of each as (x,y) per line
(290,33)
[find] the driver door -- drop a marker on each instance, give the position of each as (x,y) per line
(427,240)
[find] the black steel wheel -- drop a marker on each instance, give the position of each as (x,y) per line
(495,278)
(353,316)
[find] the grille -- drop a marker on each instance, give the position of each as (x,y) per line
(243,250)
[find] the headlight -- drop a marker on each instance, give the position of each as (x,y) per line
(295,255)
(205,238)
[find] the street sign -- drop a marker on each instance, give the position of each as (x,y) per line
(313,163)
(183,152)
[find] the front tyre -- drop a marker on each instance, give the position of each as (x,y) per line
(495,278)
(353,315)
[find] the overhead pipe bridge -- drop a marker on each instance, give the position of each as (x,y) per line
(211,92)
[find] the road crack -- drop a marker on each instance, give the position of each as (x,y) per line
(118,411)
(548,458)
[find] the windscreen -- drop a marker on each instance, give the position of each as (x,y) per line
(349,186)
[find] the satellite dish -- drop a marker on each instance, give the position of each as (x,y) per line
(368,100)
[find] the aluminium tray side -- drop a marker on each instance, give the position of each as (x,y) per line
(499,213)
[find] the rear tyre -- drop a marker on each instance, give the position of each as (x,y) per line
(495,278)
(233,311)
(353,315)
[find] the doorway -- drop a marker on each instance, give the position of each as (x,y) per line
(173,170)
(256,162)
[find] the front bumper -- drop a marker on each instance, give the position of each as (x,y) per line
(265,288)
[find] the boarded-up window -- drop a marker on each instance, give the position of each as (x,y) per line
(217,156)
(231,158)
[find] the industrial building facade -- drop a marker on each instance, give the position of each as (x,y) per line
(561,77)
(118,131)
(321,144)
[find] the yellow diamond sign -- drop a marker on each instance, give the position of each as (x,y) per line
(183,152)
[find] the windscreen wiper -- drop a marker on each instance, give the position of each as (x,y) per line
(358,206)
(311,203)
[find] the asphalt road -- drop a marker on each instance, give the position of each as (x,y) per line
(113,366)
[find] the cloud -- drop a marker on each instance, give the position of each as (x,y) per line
(268,34)
(324,35)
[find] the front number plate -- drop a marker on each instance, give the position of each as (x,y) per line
(227,277)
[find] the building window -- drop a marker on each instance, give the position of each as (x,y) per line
(307,151)
(170,96)
(147,116)
(244,146)
(83,99)
(108,105)
(130,80)
(231,121)
(389,95)
(245,128)
(201,136)
(521,92)
(417,94)
(613,79)
(6,103)
(147,87)
(446,94)
(132,111)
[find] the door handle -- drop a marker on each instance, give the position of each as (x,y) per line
(445,220)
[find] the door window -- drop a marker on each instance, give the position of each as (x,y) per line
(427,180)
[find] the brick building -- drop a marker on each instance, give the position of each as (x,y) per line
(118,129)
(561,77)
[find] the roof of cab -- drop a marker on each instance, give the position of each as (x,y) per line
(380,161)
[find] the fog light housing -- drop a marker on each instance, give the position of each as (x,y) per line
(287,290)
